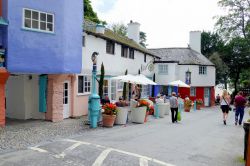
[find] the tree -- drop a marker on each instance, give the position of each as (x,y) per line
(237,57)
(211,43)
(124,91)
(236,23)
(143,39)
(89,13)
(122,29)
(100,88)
(221,69)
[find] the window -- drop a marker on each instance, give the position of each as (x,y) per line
(131,53)
(105,88)
(145,91)
(113,90)
(110,47)
(120,85)
(145,58)
(202,70)
(84,84)
(37,20)
(162,69)
(83,41)
(124,52)
(192,91)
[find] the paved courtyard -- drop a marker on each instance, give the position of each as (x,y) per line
(199,139)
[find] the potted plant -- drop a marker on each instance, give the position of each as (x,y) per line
(138,113)
(199,103)
(122,112)
(109,115)
(187,105)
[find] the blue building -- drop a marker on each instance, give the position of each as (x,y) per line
(43,43)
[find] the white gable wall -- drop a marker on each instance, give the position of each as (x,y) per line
(163,79)
(197,79)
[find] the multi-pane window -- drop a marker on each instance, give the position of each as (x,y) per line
(37,20)
(105,88)
(124,52)
(163,69)
(145,91)
(113,89)
(110,47)
(192,91)
(84,84)
(120,85)
(202,70)
(131,53)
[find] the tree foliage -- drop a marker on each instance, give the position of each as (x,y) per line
(236,23)
(124,91)
(89,13)
(122,29)
(101,81)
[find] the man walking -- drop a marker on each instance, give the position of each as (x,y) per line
(239,103)
(174,107)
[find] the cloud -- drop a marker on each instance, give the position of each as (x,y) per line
(166,22)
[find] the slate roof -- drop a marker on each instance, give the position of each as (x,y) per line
(182,56)
(89,28)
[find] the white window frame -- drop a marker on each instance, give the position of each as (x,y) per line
(202,70)
(192,91)
(113,89)
(39,21)
(145,91)
(161,67)
(120,85)
(88,80)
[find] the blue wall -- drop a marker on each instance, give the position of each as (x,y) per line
(45,53)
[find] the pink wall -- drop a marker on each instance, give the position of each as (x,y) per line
(55,96)
(80,102)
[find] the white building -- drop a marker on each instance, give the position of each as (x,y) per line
(187,65)
(118,54)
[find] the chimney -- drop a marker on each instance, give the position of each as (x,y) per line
(100,29)
(195,40)
(134,31)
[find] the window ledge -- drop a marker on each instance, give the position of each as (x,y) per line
(83,94)
(37,30)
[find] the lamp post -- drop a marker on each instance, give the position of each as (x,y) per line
(94,98)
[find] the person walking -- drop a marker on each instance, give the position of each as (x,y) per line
(174,107)
(224,105)
(239,103)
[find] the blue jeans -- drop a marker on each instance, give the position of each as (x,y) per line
(239,111)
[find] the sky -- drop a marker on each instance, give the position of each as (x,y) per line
(167,23)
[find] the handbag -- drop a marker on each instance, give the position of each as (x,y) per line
(179,116)
(229,108)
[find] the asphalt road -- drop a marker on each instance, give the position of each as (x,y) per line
(200,139)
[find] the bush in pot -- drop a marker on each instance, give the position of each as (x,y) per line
(109,115)
(199,103)
(187,105)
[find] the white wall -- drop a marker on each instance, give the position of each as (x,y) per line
(163,79)
(114,64)
(22,97)
(197,79)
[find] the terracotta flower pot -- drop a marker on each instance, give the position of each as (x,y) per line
(187,109)
(198,106)
(108,120)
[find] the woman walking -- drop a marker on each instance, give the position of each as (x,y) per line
(224,105)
